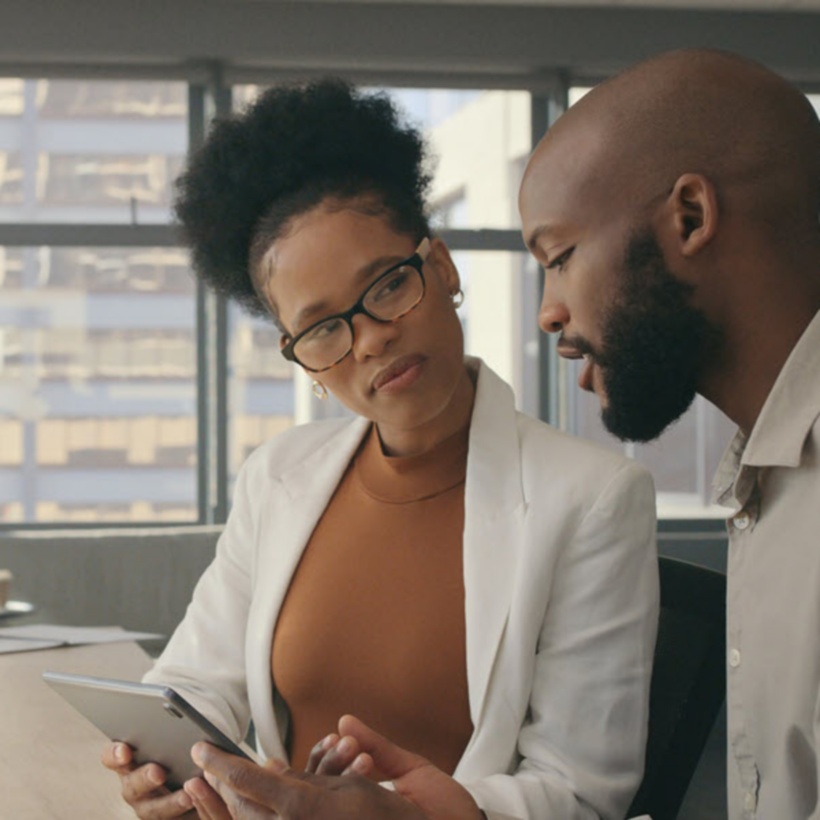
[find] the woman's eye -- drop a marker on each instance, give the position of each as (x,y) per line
(559,261)
(390,285)
(324,330)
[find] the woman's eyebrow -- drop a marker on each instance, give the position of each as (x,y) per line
(379,265)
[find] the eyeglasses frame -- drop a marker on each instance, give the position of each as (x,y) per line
(416,261)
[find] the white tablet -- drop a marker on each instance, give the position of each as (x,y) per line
(157,722)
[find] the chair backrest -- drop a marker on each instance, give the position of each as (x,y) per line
(688,683)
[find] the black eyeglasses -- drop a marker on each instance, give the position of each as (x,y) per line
(394,294)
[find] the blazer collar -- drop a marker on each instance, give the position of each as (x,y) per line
(287,519)
(494,509)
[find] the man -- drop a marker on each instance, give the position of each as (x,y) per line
(675,212)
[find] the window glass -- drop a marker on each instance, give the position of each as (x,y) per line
(97,385)
(260,386)
(90,151)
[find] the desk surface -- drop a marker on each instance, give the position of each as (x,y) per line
(49,754)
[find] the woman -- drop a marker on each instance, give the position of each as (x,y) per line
(473,584)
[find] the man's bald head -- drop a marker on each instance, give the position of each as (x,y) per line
(675,211)
(752,134)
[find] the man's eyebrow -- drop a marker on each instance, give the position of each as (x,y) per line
(536,234)
(379,265)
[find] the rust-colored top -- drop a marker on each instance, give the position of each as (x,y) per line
(373,622)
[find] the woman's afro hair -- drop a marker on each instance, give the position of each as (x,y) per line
(295,146)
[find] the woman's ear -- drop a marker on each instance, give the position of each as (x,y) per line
(691,214)
(441,261)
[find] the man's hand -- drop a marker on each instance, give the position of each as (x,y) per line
(414,778)
(253,792)
(358,749)
(143,788)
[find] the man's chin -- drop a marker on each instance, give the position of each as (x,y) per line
(633,427)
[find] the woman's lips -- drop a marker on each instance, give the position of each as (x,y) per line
(399,374)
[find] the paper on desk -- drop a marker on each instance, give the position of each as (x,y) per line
(47,636)
(25,645)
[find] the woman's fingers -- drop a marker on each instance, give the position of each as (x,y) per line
(338,757)
(318,752)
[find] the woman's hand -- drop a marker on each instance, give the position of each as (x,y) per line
(144,789)
(336,755)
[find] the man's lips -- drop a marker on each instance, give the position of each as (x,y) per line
(567,352)
(395,369)
(585,373)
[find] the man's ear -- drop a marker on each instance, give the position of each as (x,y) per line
(283,340)
(443,264)
(691,214)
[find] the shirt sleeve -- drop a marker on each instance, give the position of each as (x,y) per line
(582,744)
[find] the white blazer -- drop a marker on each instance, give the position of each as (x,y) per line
(561,606)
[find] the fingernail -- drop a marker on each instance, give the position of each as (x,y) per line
(155,776)
(359,764)
(328,742)
(198,754)
(119,753)
(184,801)
(344,744)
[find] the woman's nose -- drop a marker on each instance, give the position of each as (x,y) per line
(371,337)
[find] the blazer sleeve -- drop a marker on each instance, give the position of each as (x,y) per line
(205,658)
(581,747)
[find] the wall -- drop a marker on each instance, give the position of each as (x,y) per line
(138,579)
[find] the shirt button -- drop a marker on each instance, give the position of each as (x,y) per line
(749,801)
(741,521)
(734,658)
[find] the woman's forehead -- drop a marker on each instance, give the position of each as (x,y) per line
(326,256)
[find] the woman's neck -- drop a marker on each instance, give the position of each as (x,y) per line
(417,440)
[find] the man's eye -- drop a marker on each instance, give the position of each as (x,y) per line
(559,261)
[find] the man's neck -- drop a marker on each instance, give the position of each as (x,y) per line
(740,380)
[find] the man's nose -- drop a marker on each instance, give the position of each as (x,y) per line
(553,314)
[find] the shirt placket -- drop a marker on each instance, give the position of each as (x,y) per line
(740,528)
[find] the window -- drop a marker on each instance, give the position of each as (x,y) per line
(90,152)
(97,385)
(98,374)
(102,392)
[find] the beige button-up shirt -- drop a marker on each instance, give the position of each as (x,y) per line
(772,480)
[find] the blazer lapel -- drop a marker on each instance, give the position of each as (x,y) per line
(494,514)
(293,507)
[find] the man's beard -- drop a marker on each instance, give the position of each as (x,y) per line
(654,346)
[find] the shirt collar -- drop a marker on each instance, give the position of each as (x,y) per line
(777,438)
(791,407)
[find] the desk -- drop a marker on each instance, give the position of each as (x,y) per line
(49,754)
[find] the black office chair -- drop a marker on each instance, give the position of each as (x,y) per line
(688,683)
